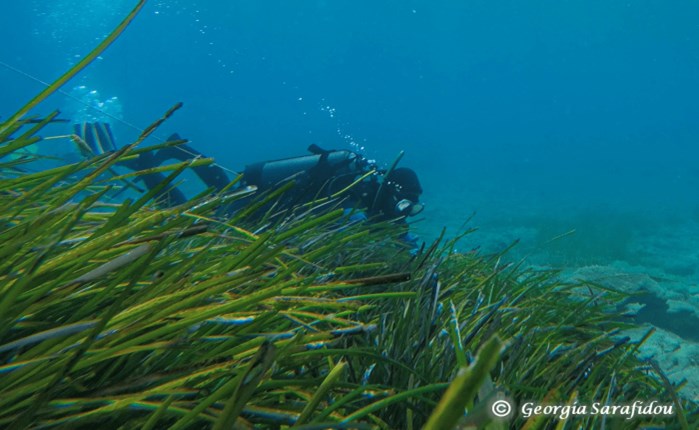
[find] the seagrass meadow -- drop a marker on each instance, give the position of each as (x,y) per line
(120,314)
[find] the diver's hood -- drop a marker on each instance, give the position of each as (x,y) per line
(405,183)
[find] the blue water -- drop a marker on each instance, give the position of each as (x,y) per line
(545,116)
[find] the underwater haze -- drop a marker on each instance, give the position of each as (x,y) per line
(569,125)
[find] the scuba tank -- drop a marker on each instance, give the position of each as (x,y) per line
(316,168)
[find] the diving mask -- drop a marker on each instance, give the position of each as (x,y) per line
(408,208)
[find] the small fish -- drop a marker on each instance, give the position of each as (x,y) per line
(367,374)
(66,330)
(354,330)
(231,321)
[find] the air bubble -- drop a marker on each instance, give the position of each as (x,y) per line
(87,106)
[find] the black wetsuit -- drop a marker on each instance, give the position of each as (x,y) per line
(212,175)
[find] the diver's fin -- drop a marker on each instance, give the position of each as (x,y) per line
(84,132)
(97,136)
(105,138)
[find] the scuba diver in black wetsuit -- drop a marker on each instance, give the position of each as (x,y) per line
(393,195)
